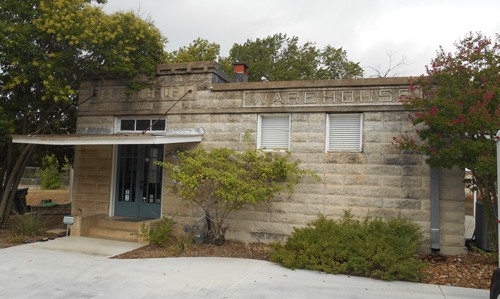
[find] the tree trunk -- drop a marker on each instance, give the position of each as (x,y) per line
(12,181)
(3,171)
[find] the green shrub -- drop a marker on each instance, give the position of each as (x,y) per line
(158,234)
(29,224)
(50,177)
(373,247)
(182,244)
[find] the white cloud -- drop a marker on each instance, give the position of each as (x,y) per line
(366,29)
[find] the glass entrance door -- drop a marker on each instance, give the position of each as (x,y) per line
(138,185)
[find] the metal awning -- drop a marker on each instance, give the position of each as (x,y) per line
(168,137)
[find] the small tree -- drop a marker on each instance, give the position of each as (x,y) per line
(222,181)
(50,176)
(458,112)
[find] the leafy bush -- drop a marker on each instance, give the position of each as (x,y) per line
(373,247)
(158,234)
(222,180)
(181,244)
(29,224)
(50,178)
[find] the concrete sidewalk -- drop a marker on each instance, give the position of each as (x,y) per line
(77,267)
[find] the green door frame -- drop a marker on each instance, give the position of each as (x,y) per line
(138,183)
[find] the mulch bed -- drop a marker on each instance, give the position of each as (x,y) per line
(472,270)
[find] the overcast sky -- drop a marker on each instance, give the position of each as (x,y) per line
(367,29)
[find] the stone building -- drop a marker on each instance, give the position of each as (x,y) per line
(341,129)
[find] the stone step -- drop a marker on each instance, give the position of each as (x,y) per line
(121,234)
(120,223)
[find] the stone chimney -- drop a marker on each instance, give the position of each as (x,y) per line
(240,72)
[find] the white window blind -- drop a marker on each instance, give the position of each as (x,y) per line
(344,132)
(274,132)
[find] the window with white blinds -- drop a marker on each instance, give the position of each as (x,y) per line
(274,132)
(344,132)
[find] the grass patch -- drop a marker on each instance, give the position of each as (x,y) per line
(29,224)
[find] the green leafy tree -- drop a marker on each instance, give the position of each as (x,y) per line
(458,111)
(50,176)
(46,47)
(201,50)
(282,58)
(198,50)
(335,65)
(222,181)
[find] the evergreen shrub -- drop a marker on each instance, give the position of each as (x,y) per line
(373,247)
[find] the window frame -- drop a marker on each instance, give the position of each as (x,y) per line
(328,149)
(118,124)
(260,133)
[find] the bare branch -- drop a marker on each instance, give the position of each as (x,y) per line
(391,70)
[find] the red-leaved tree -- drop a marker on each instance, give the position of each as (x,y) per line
(457,112)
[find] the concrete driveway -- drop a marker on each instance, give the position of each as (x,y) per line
(78,267)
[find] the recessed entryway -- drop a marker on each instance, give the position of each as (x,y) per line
(139,181)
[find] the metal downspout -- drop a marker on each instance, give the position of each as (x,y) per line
(497,139)
(435,212)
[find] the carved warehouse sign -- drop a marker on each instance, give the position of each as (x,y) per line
(324,97)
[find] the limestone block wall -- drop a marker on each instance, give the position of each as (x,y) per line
(452,210)
(92,180)
(380,180)
(110,98)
